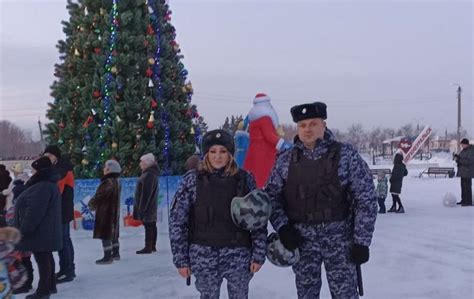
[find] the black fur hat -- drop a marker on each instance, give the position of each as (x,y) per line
(307,111)
(41,163)
(218,137)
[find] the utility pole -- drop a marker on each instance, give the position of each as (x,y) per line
(41,132)
(459,117)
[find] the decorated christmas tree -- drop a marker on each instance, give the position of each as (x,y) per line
(122,89)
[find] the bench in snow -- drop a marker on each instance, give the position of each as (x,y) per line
(444,171)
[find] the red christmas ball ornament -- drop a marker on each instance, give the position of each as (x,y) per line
(97,51)
(151,121)
(114,53)
(61,125)
(149,30)
(96,94)
(87,122)
(148,72)
(153,103)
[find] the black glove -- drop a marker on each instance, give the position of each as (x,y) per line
(360,254)
(289,237)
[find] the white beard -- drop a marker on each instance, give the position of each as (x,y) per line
(260,110)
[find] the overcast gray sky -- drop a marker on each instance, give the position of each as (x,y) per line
(379,63)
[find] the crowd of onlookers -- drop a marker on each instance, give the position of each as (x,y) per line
(36,212)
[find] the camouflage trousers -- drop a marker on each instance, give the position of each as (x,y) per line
(330,246)
(211,265)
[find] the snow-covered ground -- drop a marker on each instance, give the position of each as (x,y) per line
(426,253)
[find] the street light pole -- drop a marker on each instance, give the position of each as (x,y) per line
(459,116)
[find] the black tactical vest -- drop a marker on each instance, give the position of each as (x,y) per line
(211,222)
(313,192)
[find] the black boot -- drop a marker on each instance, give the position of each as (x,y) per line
(154,237)
(24,289)
(107,259)
(147,249)
(28,285)
(36,296)
(392,209)
(115,253)
(149,238)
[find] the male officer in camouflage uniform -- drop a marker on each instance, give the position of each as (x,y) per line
(324,203)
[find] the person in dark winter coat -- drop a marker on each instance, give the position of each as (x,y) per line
(64,167)
(146,201)
(323,203)
(38,217)
(465,161)
(5,181)
(106,204)
(398,172)
(204,239)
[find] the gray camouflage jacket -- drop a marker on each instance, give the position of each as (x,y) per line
(353,172)
(184,198)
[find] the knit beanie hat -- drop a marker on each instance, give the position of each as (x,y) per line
(148,158)
(113,166)
(54,150)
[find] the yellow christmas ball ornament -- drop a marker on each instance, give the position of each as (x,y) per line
(151,61)
(114,145)
(113,70)
(85,162)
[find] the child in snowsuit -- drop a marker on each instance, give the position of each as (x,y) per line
(11,273)
(382,189)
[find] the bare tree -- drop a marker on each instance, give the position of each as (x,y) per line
(407,130)
(357,137)
(289,132)
(16,143)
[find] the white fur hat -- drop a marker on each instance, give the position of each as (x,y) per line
(148,158)
(261,98)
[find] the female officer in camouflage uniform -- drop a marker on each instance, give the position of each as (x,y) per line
(204,240)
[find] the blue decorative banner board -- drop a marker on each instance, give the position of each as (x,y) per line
(84,190)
